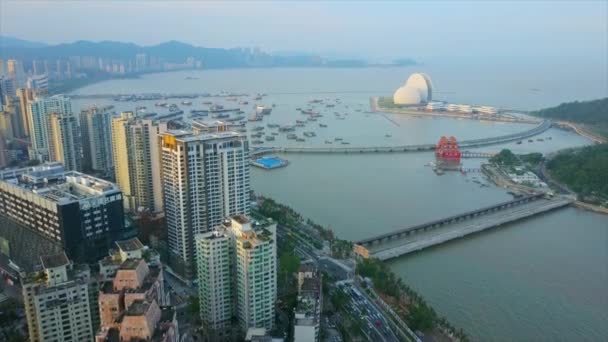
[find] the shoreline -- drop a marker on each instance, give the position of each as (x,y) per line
(376,108)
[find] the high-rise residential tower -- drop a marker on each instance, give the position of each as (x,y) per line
(39,112)
(137,161)
(57,302)
(96,133)
(64,140)
(205,178)
(237,276)
(15,72)
(25,97)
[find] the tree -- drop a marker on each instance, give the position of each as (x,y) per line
(339,299)
(421,317)
(193,308)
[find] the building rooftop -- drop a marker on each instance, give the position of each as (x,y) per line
(137,308)
(52,182)
(189,136)
(55,260)
(242,219)
(130,264)
(130,245)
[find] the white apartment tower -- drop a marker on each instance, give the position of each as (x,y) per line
(237,275)
(205,178)
(137,161)
(57,303)
(39,111)
(96,132)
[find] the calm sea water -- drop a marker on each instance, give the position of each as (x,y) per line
(540,279)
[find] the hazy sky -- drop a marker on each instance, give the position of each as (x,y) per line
(377,30)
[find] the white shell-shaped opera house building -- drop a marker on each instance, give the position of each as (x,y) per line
(418,89)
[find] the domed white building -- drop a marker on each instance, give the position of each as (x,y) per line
(418,89)
(407,95)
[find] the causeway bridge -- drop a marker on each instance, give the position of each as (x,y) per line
(407,240)
(542,127)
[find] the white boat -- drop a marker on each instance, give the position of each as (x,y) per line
(263,110)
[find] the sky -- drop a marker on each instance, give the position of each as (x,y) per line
(430,30)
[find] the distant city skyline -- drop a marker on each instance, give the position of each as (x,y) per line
(378,31)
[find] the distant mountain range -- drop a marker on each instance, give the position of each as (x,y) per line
(12,42)
(171,52)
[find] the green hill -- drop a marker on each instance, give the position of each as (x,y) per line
(584,171)
(593,112)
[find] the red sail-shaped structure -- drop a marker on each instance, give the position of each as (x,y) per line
(447,148)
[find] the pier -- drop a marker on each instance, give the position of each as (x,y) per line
(407,240)
(542,127)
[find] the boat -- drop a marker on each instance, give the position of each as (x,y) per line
(275,133)
(322,125)
(161,104)
(269,138)
(300,125)
(530,140)
(387,135)
(328,142)
(231,99)
(337,139)
(298,108)
(207,103)
(345,143)
(549,138)
(257,135)
(258,128)
(173,108)
(187,103)
(292,136)
(195,112)
(309,111)
(300,121)
(519,142)
(271,125)
(238,118)
(300,139)
(257,142)
(191,78)
(263,110)
(329,105)
(540,139)
(220,115)
(310,134)
(255,117)
(286,128)
(315,101)
(312,119)
(244,102)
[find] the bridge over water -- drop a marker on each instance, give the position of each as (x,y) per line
(403,241)
(542,127)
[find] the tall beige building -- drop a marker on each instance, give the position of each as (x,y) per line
(16,73)
(64,140)
(137,161)
(25,97)
(57,302)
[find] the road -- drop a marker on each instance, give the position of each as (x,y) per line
(418,241)
(375,325)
